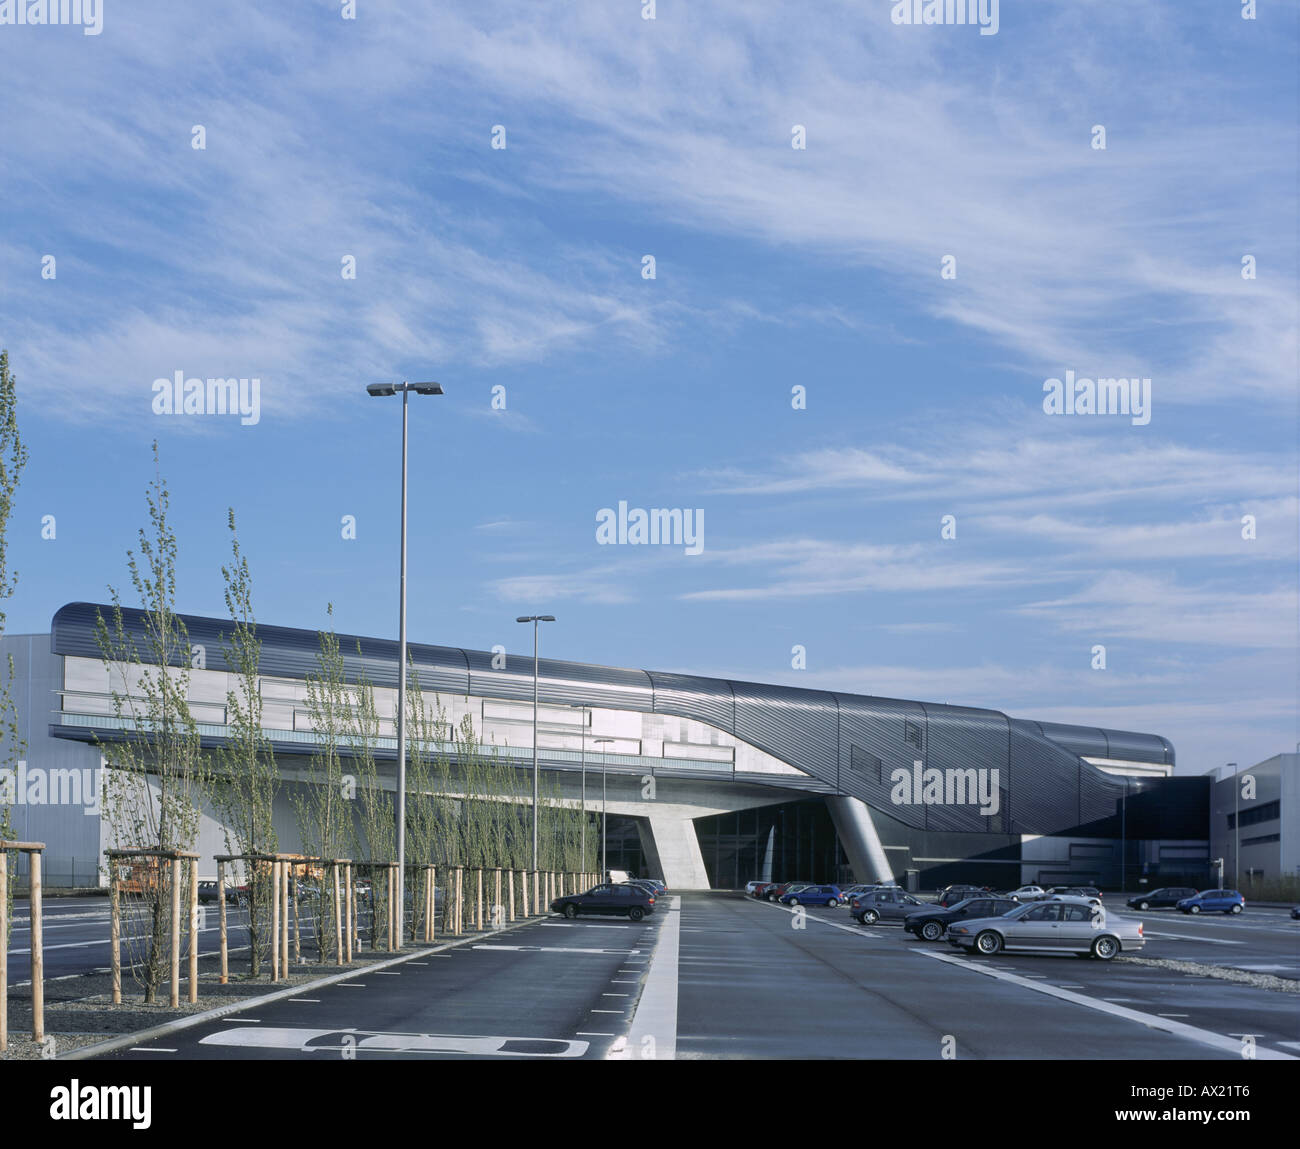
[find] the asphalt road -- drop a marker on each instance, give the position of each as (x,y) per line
(722,976)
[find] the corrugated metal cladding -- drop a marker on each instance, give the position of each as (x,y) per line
(565,683)
(798,726)
(959,737)
(704,699)
(1099,795)
(879,728)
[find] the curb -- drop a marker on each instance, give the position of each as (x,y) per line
(89,1051)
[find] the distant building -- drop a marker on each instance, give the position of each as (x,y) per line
(1255,820)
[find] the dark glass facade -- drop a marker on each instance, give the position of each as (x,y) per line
(798,837)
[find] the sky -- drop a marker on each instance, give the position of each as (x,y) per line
(796,271)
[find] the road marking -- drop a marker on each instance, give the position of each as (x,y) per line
(150,1049)
(590,1033)
(1176,1015)
(353,984)
(605,1011)
(247,1020)
(551,949)
(862,931)
(656,1012)
(1193,938)
(1154,1021)
(314,1000)
(584,926)
(417,963)
(387,973)
(368,1040)
(612,981)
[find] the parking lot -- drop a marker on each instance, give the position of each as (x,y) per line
(719,975)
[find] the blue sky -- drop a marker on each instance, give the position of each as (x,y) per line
(521,267)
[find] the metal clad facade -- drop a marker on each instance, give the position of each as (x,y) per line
(887,730)
(798,726)
(704,699)
(959,738)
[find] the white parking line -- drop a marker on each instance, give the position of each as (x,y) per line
(150,1049)
(656,1013)
(1192,938)
(1217,1041)
(313,1000)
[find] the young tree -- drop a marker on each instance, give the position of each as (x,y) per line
(322,805)
(374,828)
(156,775)
(244,787)
(13,457)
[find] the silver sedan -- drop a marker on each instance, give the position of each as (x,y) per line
(1067,925)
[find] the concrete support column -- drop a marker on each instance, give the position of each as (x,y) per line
(858,836)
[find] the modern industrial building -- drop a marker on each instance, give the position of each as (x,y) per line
(709,783)
(1253,819)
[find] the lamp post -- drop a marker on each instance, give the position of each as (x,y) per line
(604,815)
(586,719)
(1236,825)
(384,390)
(535,619)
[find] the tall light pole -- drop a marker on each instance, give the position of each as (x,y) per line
(1236,825)
(383,390)
(535,619)
(604,815)
(585,720)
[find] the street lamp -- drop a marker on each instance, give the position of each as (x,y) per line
(535,619)
(379,391)
(604,816)
(1236,825)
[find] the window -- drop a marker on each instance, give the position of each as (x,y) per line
(912,733)
(1076,914)
(1048,913)
(1265,812)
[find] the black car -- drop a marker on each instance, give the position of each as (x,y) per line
(235,896)
(931,923)
(622,899)
(1163,898)
(951,895)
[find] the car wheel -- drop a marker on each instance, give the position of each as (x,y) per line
(870,917)
(794,901)
(932,931)
(989,943)
(771,897)
(1235,909)
(636,913)
(570,911)
(1105,948)
(1144,905)
(1193,909)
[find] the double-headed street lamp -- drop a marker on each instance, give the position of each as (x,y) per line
(535,619)
(383,390)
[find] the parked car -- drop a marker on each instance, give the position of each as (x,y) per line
(234,897)
(750,887)
(1207,901)
(1065,926)
(611,898)
(1089,893)
(890,904)
(1295,913)
(1027,893)
(774,893)
(760,890)
(813,896)
(1164,898)
(932,922)
(951,895)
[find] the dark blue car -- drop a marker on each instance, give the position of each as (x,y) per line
(1207,901)
(813,896)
